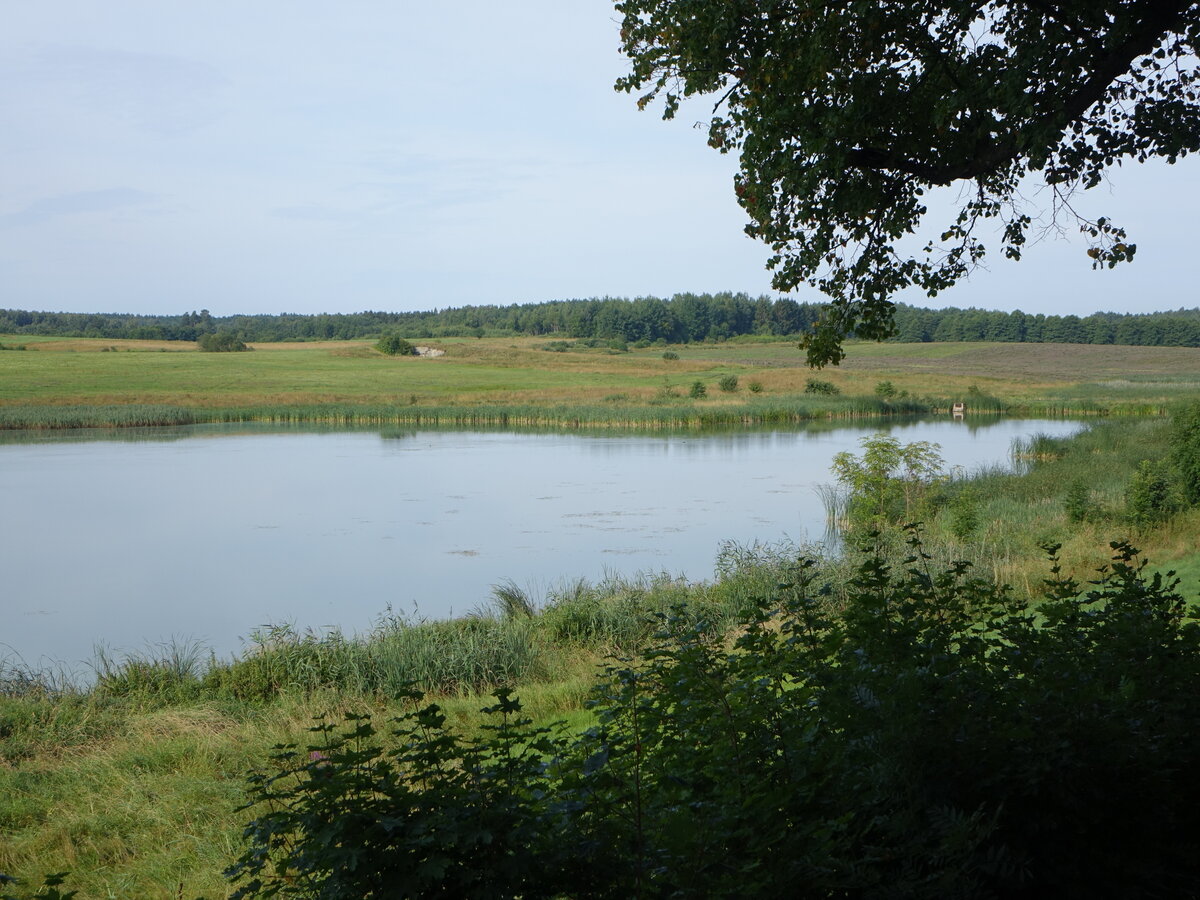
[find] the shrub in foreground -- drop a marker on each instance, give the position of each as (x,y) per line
(934,738)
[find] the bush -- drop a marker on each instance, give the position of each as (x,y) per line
(728,383)
(755,387)
(964,514)
(1185,448)
(698,391)
(1152,495)
(1078,502)
(934,738)
(886,390)
(889,481)
(221,342)
(815,386)
(394,345)
(670,355)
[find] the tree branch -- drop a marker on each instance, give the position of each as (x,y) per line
(1160,19)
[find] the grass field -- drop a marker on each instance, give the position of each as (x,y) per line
(592,385)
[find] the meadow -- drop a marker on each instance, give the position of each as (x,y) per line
(132,783)
(72,382)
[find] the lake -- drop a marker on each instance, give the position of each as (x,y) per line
(127,540)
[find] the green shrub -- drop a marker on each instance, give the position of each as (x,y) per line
(964,514)
(932,738)
(887,483)
(755,387)
(394,345)
(436,817)
(670,355)
(1152,495)
(728,383)
(886,390)
(221,342)
(816,386)
(1185,448)
(1078,502)
(698,391)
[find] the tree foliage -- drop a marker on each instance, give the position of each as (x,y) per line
(683,318)
(847,115)
(887,479)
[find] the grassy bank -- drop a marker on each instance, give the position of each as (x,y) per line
(132,783)
(1071,492)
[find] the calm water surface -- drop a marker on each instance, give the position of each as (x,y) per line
(216,531)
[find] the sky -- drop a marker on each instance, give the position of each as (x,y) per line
(272,156)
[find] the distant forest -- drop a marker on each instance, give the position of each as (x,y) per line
(684,318)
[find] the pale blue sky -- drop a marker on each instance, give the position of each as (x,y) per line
(271,156)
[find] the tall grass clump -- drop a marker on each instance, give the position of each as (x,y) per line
(172,672)
(511,601)
(131,416)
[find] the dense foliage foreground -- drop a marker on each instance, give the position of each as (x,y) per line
(935,737)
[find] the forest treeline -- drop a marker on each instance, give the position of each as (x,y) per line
(683,318)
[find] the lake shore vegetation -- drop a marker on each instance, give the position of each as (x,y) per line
(131,781)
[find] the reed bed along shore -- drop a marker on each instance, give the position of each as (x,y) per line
(617,417)
(517,638)
(614,417)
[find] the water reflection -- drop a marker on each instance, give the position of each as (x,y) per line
(209,531)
